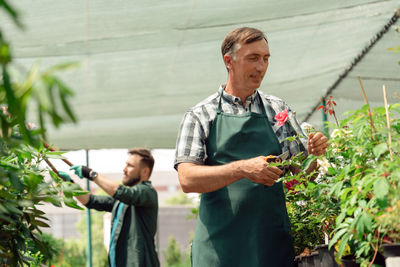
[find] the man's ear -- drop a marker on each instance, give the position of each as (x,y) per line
(228,61)
(145,172)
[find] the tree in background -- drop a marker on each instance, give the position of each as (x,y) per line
(72,252)
(174,257)
(23,186)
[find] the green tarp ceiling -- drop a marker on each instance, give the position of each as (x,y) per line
(144,63)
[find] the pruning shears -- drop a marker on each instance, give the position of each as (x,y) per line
(277,159)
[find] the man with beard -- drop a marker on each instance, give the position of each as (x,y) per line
(134,207)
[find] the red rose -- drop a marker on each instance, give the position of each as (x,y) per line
(289,185)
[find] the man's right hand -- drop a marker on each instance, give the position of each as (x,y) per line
(257,170)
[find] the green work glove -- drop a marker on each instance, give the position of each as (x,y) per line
(65,176)
(81,171)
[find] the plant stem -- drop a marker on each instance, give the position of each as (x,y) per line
(334,115)
(376,248)
(366,102)
(388,123)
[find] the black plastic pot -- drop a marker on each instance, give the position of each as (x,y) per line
(349,261)
(308,261)
(391,250)
(315,256)
(326,257)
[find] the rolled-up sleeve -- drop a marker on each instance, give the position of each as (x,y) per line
(190,144)
(139,195)
(100,203)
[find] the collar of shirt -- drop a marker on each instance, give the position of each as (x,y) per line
(236,100)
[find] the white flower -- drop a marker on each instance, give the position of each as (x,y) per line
(324,165)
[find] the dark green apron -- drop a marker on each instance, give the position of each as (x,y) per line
(245,223)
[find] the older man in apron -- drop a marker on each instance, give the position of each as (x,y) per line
(220,153)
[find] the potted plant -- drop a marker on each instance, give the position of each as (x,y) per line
(390,221)
(357,187)
(363,170)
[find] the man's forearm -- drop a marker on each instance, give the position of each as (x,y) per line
(203,179)
(84,199)
(108,185)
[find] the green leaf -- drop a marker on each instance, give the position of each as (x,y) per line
(337,235)
(16,182)
(331,171)
(340,218)
(12,12)
(70,202)
(310,159)
(335,190)
(13,208)
(359,226)
(39,223)
(54,155)
(381,188)
(380,149)
(343,243)
(55,200)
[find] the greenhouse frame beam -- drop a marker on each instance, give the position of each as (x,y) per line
(355,61)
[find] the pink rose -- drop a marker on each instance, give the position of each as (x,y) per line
(282,117)
(31,125)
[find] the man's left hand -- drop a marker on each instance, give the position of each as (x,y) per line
(317,144)
(82,171)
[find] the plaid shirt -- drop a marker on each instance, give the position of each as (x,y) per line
(196,124)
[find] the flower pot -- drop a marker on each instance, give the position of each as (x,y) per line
(392,254)
(307,261)
(326,257)
(391,250)
(315,256)
(349,261)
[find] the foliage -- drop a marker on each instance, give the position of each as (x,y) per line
(390,220)
(99,253)
(365,171)
(179,199)
(311,211)
(72,252)
(355,198)
(173,255)
(54,247)
(23,186)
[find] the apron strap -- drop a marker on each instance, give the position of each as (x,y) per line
(219,110)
